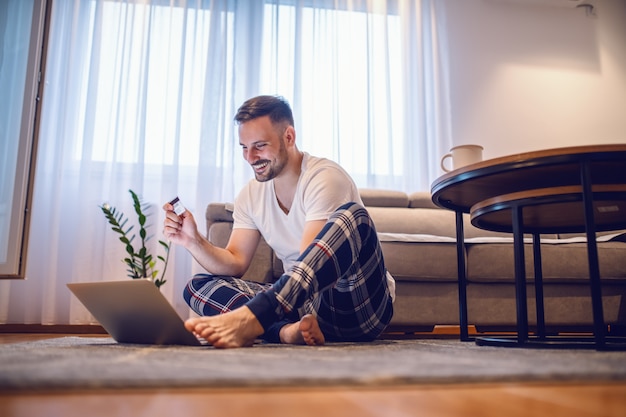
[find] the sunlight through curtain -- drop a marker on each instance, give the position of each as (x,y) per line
(141,94)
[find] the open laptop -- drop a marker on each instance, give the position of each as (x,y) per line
(134,311)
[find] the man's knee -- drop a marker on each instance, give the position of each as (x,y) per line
(351,206)
(194,285)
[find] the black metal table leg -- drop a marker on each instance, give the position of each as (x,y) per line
(520,275)
(520,288)
(592,255)
(539,307)
(460,258)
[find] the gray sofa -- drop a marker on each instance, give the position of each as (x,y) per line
(418,242)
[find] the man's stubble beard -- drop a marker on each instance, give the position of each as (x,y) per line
(276,167)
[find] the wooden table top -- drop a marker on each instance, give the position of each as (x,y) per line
(465,187)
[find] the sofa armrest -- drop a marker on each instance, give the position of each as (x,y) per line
(217,212)
(383,198)
(219,225)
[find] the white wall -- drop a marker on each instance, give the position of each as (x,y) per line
(527,76)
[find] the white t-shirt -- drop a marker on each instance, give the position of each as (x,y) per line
(323,187)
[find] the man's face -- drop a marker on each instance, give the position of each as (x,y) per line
(263,147)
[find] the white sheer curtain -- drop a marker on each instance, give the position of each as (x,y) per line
(141,94)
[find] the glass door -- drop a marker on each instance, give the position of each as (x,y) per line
(22,25)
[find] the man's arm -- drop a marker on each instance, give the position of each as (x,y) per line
(233,260)
(311,229)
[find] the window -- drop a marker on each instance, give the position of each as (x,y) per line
(149,65)
(21,37)
(348,69)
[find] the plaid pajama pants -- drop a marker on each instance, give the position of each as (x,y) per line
(340,278)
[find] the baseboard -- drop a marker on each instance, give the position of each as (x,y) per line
(53,328)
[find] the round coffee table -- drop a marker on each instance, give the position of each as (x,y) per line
(563,190)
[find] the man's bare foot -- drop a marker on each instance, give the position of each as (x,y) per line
(306,331)
(237,328)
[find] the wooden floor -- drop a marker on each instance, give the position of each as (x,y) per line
(570,399)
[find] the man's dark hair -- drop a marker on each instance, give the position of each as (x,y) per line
(276,107)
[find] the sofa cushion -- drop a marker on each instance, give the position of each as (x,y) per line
(424,262)
(564,263)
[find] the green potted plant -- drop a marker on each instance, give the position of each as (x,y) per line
(141,264)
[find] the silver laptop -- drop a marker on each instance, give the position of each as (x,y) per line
(134,311)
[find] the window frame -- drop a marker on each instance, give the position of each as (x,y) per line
(20,211)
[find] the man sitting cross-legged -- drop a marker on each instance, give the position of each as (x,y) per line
(335,286)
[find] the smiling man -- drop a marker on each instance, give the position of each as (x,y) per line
(335,286)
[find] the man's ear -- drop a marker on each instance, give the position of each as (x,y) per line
(290,135)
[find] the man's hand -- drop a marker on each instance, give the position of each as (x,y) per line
(181,230)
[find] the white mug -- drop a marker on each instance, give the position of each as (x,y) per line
(463,155)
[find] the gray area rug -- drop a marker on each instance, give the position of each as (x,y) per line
(86,362)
